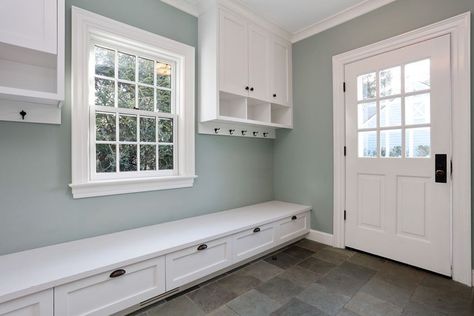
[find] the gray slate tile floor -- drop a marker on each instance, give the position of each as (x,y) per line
(308,278)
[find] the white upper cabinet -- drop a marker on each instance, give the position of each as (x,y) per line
(29,23)
(280,72)
(258,62)
(233,54)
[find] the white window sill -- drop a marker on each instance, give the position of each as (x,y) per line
(123,186)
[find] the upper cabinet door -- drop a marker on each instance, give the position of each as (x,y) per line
(233,54)
(258,63)
(29,23)
(280,72)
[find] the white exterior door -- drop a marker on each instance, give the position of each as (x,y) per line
(398,129)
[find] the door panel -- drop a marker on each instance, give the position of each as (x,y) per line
(398,114)
(280,72)
(258,63)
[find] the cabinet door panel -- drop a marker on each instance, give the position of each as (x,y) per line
(233,54)
(38,304)
(258,63)
(30,23)
(280,67)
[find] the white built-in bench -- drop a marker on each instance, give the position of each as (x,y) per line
(111,273)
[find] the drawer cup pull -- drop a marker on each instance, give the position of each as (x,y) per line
(256,230)
(294,218)
(117,273)
(202,247)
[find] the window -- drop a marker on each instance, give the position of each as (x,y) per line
(394,112)
(133,109)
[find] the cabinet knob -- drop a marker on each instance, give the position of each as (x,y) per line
(251,89)
(247,88)
(274,95)
(256,230)
(117,273)
(294,218)
(202,247)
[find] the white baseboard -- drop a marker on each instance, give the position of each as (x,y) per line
(472,279)
(321,237)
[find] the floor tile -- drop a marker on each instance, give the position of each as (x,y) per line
(324,299)
(298,252)
(387,292)
(296,307)
(371,262)
(282,260)
(239,284)
(180,306)
(418,309)
(281,290)
(311,245)
(261,270)
(223,311)
(253,303)
(332,255)
(300,276)
(355,271)
(341,283)
(211,296)
(318,266)
(346,312)
(444,300)
(368,305)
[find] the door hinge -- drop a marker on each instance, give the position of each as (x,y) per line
(344,86)
(345,214)
(451,168)
(345,151)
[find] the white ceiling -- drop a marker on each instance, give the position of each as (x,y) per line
(296,15)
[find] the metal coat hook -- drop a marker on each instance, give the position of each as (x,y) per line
(23,114)
(265,134)
(231,131)
(244,133)
(255,133)
(216,130)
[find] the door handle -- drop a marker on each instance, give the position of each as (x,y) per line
(441,165)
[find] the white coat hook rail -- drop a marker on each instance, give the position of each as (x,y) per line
(235,130)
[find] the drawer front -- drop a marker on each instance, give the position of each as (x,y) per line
(38,304)
(253,241)
(195,262)
(293,227)
(113,291)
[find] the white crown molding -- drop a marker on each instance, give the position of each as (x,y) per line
(183,5)
(339,18)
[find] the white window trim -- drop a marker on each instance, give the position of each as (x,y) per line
(87,25)
(458,28)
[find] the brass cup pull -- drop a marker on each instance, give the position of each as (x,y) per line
(256,230)
(294,218)
(117,273)
(202,247)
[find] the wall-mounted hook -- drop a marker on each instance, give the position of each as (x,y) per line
(216,130)
(23,114)
(255,133)
(265,134)
(231,131)
(244,133)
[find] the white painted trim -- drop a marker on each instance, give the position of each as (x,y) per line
(472,277)
(183,5)
(86,27)
(321,237)
(458,28)
(339,18)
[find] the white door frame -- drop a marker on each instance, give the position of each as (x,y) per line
(459,28)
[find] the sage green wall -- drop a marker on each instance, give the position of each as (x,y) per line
(303,157)
(36,207)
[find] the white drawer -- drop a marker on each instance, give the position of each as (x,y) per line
(106,293)
(253,241)
(195,262)
(38,304)
(293,227)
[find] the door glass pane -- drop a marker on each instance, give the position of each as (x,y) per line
(391,143)
(128,157)
(126,66)
(390,112)
(105,126)
(390,81)
(367,115)
(147,157)
(127,128)
(104,62)
(105,158)
(147,129)
(368,144)
(417,109)
(104,92)
(417,76)
(145,71)
(366,87)
(126,95)
(418,142)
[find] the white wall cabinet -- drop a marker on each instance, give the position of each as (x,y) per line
(31,60)
(244,71)
(39,304)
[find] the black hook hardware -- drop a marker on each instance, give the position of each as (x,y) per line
(265,134)
(244,133)
(247,88)
(231,131)
(255,133)
(251,89)
(216,130)
(23,114)
(274,95)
